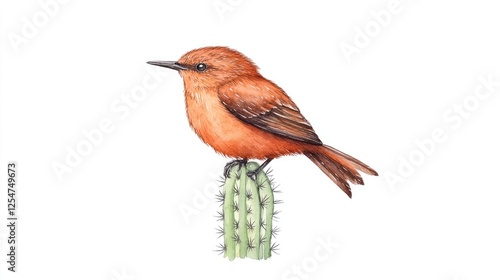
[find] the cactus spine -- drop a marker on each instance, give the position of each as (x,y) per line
(247,214)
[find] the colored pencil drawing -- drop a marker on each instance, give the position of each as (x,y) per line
(244,116)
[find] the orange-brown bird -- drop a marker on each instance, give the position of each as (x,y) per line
(243,115)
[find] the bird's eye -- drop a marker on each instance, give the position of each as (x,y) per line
(200,67)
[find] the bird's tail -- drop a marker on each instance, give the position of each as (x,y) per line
(339,167)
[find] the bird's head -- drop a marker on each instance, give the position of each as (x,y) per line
(210,66)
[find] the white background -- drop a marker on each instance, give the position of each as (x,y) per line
(117,214)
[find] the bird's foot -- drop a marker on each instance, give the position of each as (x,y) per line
(253,174)
(231,164)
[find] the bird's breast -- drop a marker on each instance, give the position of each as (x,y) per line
(228,135)
(211,121)
(204,112)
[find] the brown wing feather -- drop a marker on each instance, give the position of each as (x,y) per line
(260,102)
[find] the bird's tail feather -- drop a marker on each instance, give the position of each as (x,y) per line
(341,168)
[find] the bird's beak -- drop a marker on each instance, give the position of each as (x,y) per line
(169,64)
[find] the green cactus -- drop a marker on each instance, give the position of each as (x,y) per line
(247,214)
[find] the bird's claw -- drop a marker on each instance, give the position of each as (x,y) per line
(231,164)
(252,175)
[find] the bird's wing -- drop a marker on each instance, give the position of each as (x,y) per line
(261,103)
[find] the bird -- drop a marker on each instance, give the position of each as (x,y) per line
(242,115)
